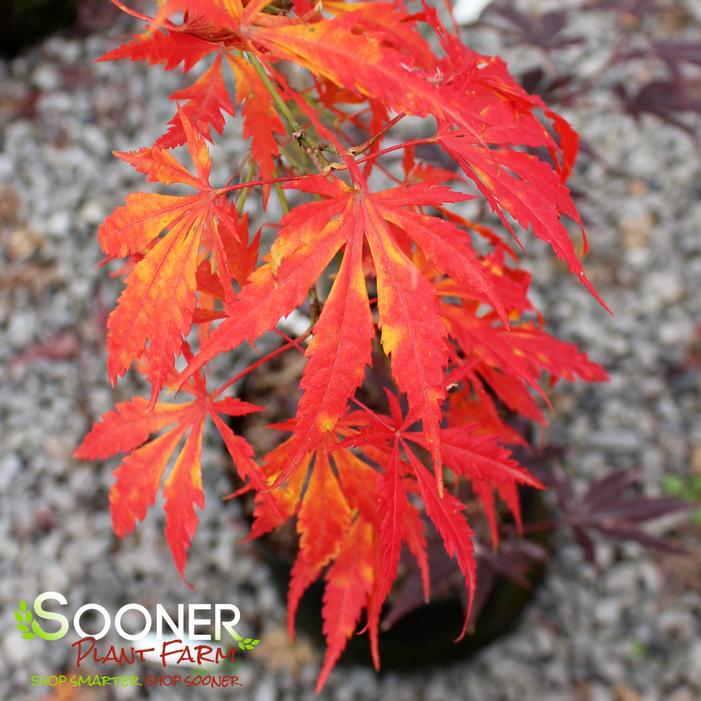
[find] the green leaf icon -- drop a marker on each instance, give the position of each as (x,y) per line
(249,643)
(23,618)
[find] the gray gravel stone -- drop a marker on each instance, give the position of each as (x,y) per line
(266,690)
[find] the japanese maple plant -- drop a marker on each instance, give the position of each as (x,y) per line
(348,107)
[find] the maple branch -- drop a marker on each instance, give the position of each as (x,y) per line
(315,304)
(397,147)
(288,154)
(281,105)
(282,198)
(386,172)
(293,342)
(361,148)
(257,183)
(246,191)
(309,145)
(332,139)
(372,413)
(253,8)
(130,11)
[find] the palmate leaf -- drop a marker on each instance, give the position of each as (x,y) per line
(331,519)
(608,507)
(205,103)
(349,582)
(129,429)
(348,503)
(489,467)
(261,122)
(338,353)
(393,505)
(324,518)
(155,311)
(446,512)
(412,331)
(346,51)
(333,530)
(163,47)
(513,362)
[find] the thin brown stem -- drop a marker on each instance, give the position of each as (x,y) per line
(357,150)
(278,351)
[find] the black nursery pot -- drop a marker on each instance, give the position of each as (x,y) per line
(27,21)
(425,636)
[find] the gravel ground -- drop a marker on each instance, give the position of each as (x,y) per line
(622,633)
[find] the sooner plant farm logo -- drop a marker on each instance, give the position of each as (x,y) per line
(200,636)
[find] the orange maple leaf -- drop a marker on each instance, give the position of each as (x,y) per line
(129,427)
